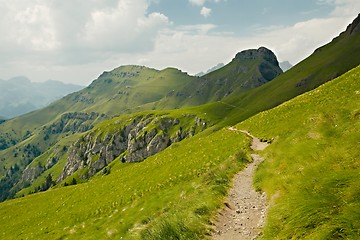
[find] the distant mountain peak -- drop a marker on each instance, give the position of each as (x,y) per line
(261,52)
(214,68)
(285,65)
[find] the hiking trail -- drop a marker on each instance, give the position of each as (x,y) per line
(243,215)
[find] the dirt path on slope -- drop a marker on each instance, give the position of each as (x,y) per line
(244,213)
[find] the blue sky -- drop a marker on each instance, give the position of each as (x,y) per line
(240,17)
(75,41)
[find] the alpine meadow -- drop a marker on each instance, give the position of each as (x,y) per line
(143,153)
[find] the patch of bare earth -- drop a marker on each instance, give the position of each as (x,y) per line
(243,215)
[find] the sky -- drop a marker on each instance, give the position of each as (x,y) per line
(74,41)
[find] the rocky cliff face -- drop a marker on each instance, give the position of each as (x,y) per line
(130,142)
(354,27)
(267,66)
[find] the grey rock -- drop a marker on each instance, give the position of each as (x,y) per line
(134,142)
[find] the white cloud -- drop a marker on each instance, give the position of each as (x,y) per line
(202,2)
(197,2)
(52,34)
(343,7)
(123,28)
(122,25)
(26,28)
(200,29)
(346,8)
(206,12)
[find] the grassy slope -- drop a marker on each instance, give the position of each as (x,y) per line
(311,172)
(212,116)
(114,92)
(55,171)
(172,194)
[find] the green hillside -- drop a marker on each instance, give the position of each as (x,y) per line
(129,138)
(248,70)
(124,90)
(311,171)
(113,93)
(171,195)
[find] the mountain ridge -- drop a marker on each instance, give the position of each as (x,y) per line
(240,75)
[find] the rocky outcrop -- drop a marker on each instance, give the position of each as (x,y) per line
(265,63)
(35,169)
(130,142)
(74,122)
(31,173)
(262,52)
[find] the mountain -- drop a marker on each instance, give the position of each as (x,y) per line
(123,90)
(286,65)
(19,95)
(249,69)
(326,63)
(81,150)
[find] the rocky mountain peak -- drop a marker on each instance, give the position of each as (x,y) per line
(261,52)
(354,27)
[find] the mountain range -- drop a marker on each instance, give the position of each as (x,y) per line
(19,95)
(143,153)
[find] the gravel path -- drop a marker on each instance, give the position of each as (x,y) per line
(243,215)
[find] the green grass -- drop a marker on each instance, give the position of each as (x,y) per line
(311,171)
(171,195)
